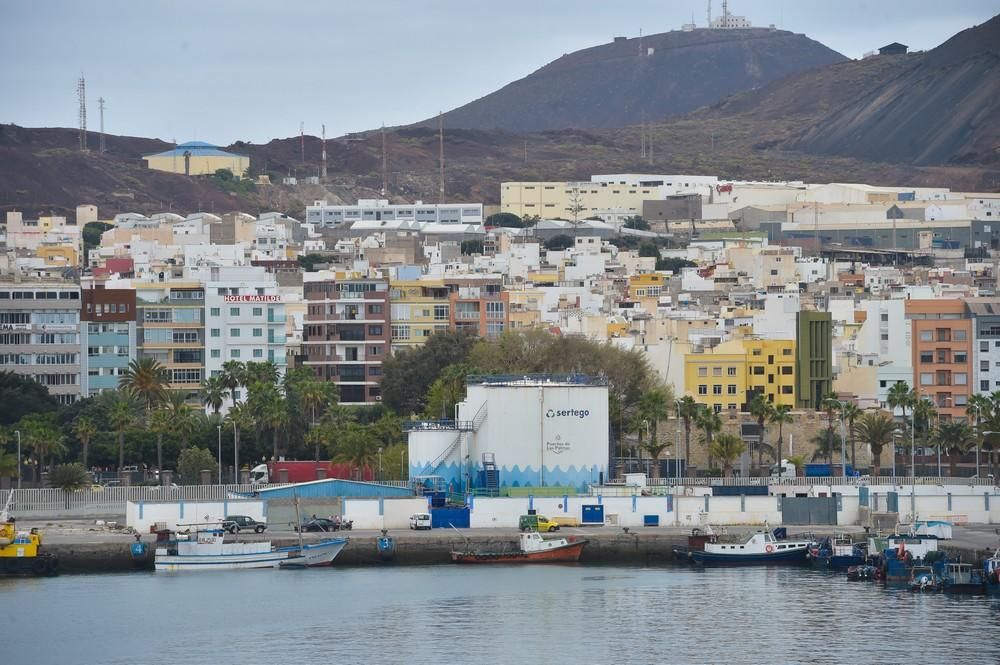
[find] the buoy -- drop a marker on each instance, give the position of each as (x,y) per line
(770,548)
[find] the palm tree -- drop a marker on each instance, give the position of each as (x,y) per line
(826,442)
(160,423)
(901,397)
(43,438)
(8,465)
(147,379)
(233,375)
(181,415)
(84,430)
(761,408)
(727,448)
(313,393)
(654,407)
(355,446)
(954,437)
(122,407)
(261,372)
(850,413)
(923,411)
(274,415)
(711,424)
(781,415)
(831,405)
(214,393)
(655,448)
(239,417)
(875,428)
(687,410)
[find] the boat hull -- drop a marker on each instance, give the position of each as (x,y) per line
(567,554)
(971,589)
(786,557)
(314,554)
(191,562)
(839,563)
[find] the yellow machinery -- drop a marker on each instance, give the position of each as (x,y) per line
(21,552)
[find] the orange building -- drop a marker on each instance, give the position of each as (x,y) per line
(478,305)
(942,354)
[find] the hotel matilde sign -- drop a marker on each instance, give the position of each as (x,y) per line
(252,298)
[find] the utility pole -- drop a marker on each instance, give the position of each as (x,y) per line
(81,93)
(100,105)
(323,171)
(440,157)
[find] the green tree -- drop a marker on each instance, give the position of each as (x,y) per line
(261,373)
(309,262)
(505,219)
(356,447)
(42,437)
(780,415)
(636,222)
(147,379)
(193,461)
(648,248)
(20,396)
(761,408)
(727,448)
(923,411)
(470,247)
(214,393)
(831,406)
(84,430)
(559,242)
(901,397)
(122,409)
(447,391)
(240,417)
(407,376)
(875,428)
(160,424)
(850,413)
(687,411)
(955,438)
(233,376)
(69,477)
(8,464)
(826,443)
(710,423)
(674,265)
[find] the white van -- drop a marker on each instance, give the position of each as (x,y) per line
(420,521)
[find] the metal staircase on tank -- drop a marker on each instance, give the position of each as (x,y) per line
(491,475)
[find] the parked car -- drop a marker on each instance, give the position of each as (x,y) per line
(420,521)
(237,523)
(538,523)
(317,524)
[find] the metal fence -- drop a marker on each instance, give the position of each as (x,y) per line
(806,481)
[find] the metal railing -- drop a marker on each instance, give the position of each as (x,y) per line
(806,481)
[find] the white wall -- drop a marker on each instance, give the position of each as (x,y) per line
(141,515)
(396,512)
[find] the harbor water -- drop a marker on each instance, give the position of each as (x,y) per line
(499,614)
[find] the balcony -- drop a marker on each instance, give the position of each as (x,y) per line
(276,319)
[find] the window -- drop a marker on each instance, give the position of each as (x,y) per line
(234,311)
(215,332)
(960,336)
(258,353)
(927,379)
(960,379)
(215,353)
(926,335)
(702,389)
(984,365)
(786,390)
(215,311)
(258,332)
(717,389)
(961,400)
(758,371)
(926,357)
(786,371)
(234,353)
(374,331)
(234,332)
(400,332)
(960,358)
(375,309)
(731,389)
(984,386)
(702,371)
(884,317)
(756,352)
(440,312)
(984,346)
(943,334)
(731,371)
(716,371)
(786,352)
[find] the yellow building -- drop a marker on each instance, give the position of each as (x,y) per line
(728,376)
(558,199)
(64,255)
(525,307)
(645,289)
(419,308)
(198,158)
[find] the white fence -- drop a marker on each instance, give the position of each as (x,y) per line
(806,481)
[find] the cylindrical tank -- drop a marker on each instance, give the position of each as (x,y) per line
(435,452)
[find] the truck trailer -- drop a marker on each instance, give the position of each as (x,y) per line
(303,472)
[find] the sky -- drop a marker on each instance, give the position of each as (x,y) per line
(252,70)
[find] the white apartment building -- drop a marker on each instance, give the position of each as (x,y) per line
(883,342)
(244,319)
(323,214)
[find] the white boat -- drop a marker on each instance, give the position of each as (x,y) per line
(760,548)
(206,549)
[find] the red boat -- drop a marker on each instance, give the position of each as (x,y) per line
(532,548)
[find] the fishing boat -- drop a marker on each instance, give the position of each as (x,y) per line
(762,548)
(695,543)
(531,548)
(962,578)
(839,553)
(204,547)
(900,553)
(991,573)
(923,578)
(21,552)
(863,572)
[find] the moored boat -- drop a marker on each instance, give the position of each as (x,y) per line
(761,548)
(923,578)
(839,553)
(695,543)
(991,573)
(531,548)
(900,553)
(206,549)
(21,552)
(312,555)
(962,578)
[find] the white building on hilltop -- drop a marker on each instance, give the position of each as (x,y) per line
(323,214)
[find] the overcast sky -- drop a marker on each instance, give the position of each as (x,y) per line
(222,70)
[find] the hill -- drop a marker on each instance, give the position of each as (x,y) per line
(942,107)
(651,78)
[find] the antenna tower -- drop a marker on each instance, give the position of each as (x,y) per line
(81,93)
(323,171)
(302,140)
(725,13)
(385,172)
(100,105)
(440,157)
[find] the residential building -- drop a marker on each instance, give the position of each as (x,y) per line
(942,353)
(729,375)
(39,333)
(198,158)
(883,343)
(420,308)
(345,334)
(814,358)
(107,337)
(171,330)
(478,306)
(985,314)
(323,214)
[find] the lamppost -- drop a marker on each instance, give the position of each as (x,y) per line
(236,453)
(979,439)
(219,430)
(943,401)
(18,433)
(402,453)
(895,436)
(379,464)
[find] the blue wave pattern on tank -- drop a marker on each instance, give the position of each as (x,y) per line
(514,476)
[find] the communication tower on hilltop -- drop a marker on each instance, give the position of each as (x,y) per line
(323,171)
(81,93)
(100,105)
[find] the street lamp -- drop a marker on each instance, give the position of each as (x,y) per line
(380,464)
(18,433)
(895,436)
(219,429)
(979,441)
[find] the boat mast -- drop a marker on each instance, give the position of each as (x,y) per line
(298,519)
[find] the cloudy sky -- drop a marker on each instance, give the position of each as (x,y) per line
(222,70)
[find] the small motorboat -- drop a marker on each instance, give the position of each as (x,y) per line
(962,578)
(531,548)
(762,548)
(862,572)
(695,543)
(837,554)
(923,578)
(991,573)
(21,552)
(312,555)
(899,553)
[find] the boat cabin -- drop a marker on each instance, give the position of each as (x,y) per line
(959,573)
(759,543)
(533,542)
